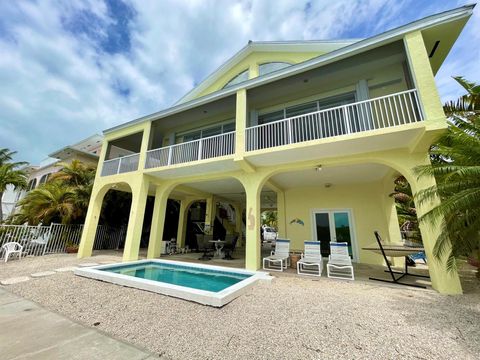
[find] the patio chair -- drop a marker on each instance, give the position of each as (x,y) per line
(38,242)
(12,248)
(279,259)
(229,248)
(204,244)
(311,262)
(339,264)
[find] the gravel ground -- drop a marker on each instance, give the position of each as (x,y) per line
(291,318)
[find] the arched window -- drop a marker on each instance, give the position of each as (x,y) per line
(269,67)
(32,184)
(44,179)
(243,76)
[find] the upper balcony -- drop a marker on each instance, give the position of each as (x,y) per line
(356,105)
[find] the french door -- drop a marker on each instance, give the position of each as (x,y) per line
(333,226)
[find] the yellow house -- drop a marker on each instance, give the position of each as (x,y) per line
(316,129)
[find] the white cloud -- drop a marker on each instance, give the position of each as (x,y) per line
(58,85)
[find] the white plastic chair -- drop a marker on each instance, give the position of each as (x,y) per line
(339,262)
(311,262)
(12,248)
(279,259)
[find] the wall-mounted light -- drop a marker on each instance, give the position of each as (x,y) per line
(318,168)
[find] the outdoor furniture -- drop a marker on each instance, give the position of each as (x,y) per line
(311,262)
(395,250)
(40,241)
(12,248)
(219,244)
(279,259)
(204,245)
(339,264)
(229,248)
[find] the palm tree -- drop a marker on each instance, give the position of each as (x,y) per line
(456,168)
(406,211)
(10,174)
(76,173)
(51,202)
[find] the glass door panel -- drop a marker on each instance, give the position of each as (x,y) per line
(322,224)
(342,229)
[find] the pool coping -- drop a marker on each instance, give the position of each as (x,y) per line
(216,299)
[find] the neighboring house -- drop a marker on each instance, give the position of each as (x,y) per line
(86,151)
(316,129)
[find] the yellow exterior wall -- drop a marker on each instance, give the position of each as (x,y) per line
(363,200)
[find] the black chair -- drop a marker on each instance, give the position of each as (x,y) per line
(204,244)
(229,247)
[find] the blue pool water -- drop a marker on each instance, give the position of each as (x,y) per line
(188,276)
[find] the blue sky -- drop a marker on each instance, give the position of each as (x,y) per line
(69,69)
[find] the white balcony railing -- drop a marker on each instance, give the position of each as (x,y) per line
(120,165)
(382,112)
(206,148)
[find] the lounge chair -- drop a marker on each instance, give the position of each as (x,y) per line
(204,244)
(339,264)
(12,248)
(311,262)
(279,259)
(40,241)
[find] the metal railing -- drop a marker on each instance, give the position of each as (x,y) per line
(382,112)
(53,239)
(205,148)
(120,165)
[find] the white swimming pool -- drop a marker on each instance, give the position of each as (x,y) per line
(205,284)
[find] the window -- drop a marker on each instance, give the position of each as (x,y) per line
(32,184)
(270,117)
(44,179)
(203,133)
(301,109)
(267,68)
(243,76)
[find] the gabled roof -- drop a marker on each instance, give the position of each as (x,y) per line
(436,20)
(318,46)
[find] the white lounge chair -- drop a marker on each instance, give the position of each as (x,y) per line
(311,262)
(40,241)
(12,248)
(339,262)
(279,259)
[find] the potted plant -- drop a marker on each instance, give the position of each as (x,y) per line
(71,247)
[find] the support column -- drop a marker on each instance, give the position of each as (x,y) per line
(91,222)
(444,281)
(135,221)
(281,215)
(209,214)
(240,123)
(423,76)
(182,223)
(158,222)
(253,243)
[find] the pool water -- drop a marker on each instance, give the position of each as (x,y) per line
(188,276)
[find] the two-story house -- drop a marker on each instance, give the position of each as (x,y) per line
(319,129)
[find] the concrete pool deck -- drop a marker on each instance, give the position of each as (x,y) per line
(32,332)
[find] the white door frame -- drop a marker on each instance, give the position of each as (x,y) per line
(351,221)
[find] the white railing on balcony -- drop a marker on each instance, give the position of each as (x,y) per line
(205,148)
(120,165)
(382,112)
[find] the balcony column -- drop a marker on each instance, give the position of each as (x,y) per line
(423,77)
(139,186)
(158,222)
(281,215)
(182,222)
(253,187)
(240,123)
(144,146)
(210,212)
(91,221)
(444,281)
